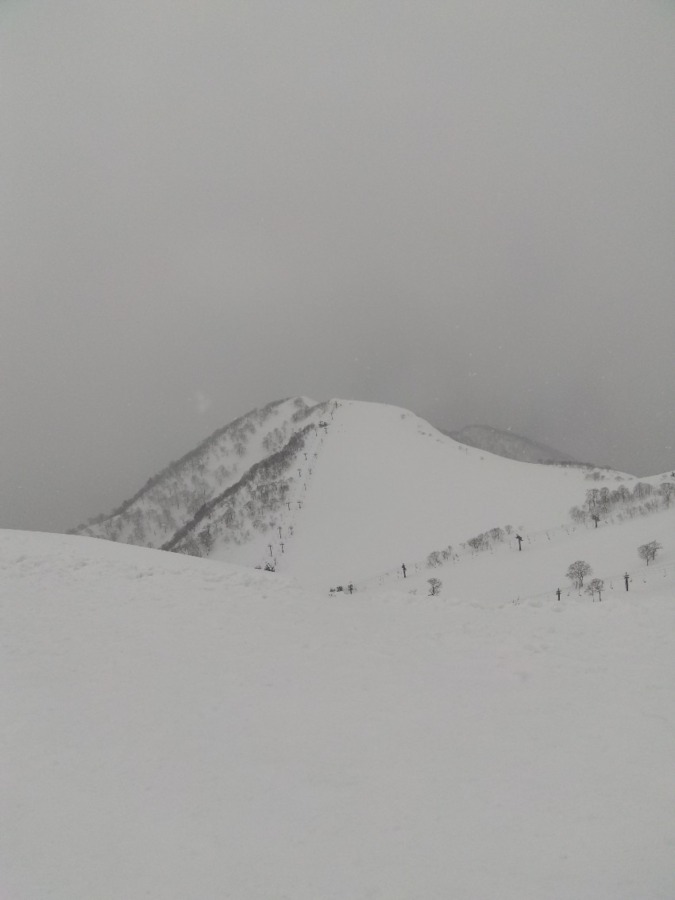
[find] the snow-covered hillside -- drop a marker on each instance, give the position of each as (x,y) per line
(379,487)
(503,574)
(341,491)
(173,727)
(171,498)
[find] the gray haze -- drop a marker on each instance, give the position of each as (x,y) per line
(465,208)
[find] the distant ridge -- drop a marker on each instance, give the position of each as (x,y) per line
(510,445)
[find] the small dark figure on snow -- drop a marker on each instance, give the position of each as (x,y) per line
(558,593)
(350,588)
(403,568)
(520,541)
(626,578)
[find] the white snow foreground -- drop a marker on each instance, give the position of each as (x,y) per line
(176,728)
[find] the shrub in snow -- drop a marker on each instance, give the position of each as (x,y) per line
(478,543)
(487,539)
(577,571)
(648,551)
(435,586)
(596,586)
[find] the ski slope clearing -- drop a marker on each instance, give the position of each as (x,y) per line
(505,574)
(173,727)
(388,488)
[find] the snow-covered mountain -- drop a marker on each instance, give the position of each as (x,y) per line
(509,444)
(342,491)
(473,726)
(175,727)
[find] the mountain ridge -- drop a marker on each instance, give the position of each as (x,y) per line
(511,445)
(182,487)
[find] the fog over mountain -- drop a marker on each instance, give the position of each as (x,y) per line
(463,209)
(506,443)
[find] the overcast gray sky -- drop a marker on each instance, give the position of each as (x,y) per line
(464,207)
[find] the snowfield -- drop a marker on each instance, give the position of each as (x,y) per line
(179,728)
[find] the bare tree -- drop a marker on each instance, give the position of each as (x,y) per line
(435,585)
(667,491)
(642,489)
(577,572)
(596,586)
(578,515)
(648,551)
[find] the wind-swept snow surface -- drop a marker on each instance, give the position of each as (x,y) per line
(177,728)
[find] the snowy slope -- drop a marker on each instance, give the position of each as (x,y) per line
(506,575)
(387,488)
(172,497)
(173,727)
